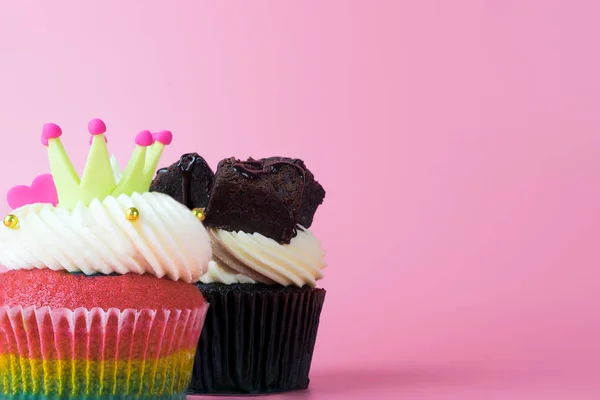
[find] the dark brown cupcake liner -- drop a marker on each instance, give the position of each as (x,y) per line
(256,339)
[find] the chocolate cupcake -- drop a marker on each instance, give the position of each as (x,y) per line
(260,331)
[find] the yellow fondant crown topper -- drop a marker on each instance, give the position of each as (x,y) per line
(98,180)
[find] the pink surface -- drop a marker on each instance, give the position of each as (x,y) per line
(459,143)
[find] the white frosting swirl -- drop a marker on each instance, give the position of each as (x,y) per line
(166,240)
(299,263)
(218,274)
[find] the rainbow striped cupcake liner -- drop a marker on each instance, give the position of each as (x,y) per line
(95,354)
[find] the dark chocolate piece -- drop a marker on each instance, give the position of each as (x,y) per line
(256,338)
(188,181)
(256,196)
(314,194)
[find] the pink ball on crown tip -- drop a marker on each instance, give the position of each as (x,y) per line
(96,126)
(144,139)
(164,137)
(50,131)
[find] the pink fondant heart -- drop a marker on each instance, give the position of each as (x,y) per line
(42,190)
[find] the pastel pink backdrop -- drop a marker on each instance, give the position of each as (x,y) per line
(459,143)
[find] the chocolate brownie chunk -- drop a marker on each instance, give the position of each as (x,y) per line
(256,196)
(188,181)
(314,194)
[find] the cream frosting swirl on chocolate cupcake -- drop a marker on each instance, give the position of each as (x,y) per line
(264,260)
(219,274)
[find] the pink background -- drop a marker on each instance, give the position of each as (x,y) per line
(458,141)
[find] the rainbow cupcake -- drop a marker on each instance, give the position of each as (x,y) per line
(99,300)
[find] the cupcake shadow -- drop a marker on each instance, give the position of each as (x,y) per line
(369,380)
(350,383)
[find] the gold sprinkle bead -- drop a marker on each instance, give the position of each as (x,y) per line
(11,221)
(199,213)
(132,214)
